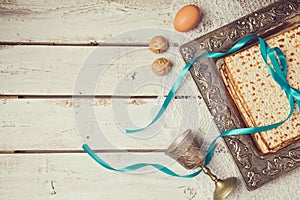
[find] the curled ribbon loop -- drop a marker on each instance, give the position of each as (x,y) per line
(278,72)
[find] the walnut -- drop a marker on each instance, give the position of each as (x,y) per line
(161,66)
(158,44)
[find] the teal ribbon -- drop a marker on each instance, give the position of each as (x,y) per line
(135,166)
(278,71)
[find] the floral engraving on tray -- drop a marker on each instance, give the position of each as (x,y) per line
(213,95)
(253,178)
(203,75)
(257,169)
(241,152)
(251,24)
(282,163)
(295,154)
(188,52)
(277,165)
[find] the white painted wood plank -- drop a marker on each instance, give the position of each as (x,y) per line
(76,176)
(60,124)
(83,21)
(38,70)
(80,21)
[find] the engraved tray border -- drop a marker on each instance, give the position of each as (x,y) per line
(255,167)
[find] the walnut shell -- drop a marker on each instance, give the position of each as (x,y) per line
(158,44)
(161,66)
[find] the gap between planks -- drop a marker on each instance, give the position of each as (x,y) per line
(90,96)
(74,96)
(84,44)
(82,151)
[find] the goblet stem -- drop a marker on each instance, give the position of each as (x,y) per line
(222,187)
(209,173)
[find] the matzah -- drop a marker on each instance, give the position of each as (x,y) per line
(258,97)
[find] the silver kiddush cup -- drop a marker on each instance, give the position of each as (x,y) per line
(186,151)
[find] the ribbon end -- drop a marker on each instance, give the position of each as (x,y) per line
(130,131)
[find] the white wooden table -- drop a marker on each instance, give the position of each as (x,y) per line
(44,45)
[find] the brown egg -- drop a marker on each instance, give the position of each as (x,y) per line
(187,18)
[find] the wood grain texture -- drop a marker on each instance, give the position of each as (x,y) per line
(76,176)
(61,124)
(80,21)
(40,138)
(40,70)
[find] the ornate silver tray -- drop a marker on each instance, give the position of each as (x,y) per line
(256,168)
